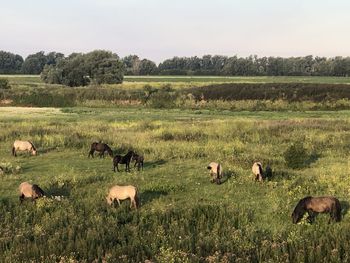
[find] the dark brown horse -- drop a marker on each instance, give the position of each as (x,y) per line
(138,160)
(101,148)
(123,160)
(314,205)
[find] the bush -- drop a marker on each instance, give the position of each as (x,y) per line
(4,84)
(296,156)
(163,98)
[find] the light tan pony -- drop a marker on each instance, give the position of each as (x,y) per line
(119,192)
(23,146)
(258,171)
(27,190)
(216,172)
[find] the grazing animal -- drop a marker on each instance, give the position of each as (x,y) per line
(23,146)
(101,148)
(123,160)
(314,205)
(119,192)
(215,172)
(258,171)
(28,190)
(138,160)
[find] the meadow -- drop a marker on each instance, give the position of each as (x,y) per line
(189,93)
(183,217)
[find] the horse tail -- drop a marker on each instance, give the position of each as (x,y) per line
(337,211)
(260,169)
(219,171)
(137,198)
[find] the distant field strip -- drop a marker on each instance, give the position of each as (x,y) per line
(199,79)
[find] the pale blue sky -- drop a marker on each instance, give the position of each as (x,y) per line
(159,29)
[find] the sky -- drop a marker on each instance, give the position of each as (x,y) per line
(160,29)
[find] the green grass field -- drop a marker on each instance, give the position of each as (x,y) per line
(185,81)
(183,217)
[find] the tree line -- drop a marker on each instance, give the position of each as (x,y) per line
(206,65)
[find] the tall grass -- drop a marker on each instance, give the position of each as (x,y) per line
(183,217)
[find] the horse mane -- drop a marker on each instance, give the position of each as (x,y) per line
(302,203)
(37,189)
(32,145)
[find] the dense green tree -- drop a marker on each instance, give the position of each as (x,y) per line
(10,63)
(34,63)
(147,67)
(131,64)
(98,66)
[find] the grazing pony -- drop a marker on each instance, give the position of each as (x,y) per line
(119,192)
(101,148)
(258,171)
(123,160)
(314,205)
(215,172)
(138,160)
(23,146)
(27,190)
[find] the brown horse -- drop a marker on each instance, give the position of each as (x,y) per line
(28,190)
(138,161)
(314,205)
(123,160)
(101,148)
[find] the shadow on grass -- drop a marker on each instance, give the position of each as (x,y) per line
(59,189)
(279,175)
(344,207)
(312,159)
(155,163)
(227,175)
(149,195)
(46,150)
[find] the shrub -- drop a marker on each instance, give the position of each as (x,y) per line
(163,98)
(296,156)
(4,84)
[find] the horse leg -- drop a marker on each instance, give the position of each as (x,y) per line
(118,201)
(91,153)
(21,198)
(117,168)
(14,151)
(311,216)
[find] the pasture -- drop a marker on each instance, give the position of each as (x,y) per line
(183,217)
